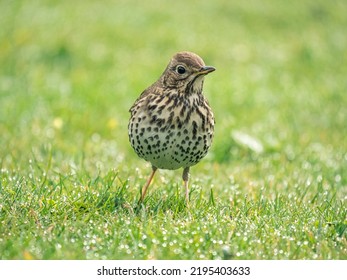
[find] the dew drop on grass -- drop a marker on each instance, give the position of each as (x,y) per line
(177,251)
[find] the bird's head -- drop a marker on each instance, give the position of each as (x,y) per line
(186,71)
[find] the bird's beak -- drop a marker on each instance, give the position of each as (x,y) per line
(206,69)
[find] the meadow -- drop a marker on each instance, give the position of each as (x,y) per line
(274,184)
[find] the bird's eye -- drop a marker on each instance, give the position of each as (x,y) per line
(180,69)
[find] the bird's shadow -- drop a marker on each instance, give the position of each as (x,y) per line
(152,205)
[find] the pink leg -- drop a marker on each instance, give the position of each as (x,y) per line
(145,187)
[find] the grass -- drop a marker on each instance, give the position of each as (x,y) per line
(274,184)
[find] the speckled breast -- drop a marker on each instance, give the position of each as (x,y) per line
(174,137)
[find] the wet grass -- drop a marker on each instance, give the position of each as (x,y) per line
(274,183)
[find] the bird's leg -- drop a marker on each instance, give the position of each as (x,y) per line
(185,177)
(145,187)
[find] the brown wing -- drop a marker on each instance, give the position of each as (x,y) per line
(155,89)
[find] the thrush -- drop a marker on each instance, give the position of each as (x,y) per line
(171,124)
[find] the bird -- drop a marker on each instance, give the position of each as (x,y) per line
(171,123)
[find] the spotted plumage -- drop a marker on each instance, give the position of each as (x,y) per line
(171,124)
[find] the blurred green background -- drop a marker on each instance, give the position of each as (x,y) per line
(70,70)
